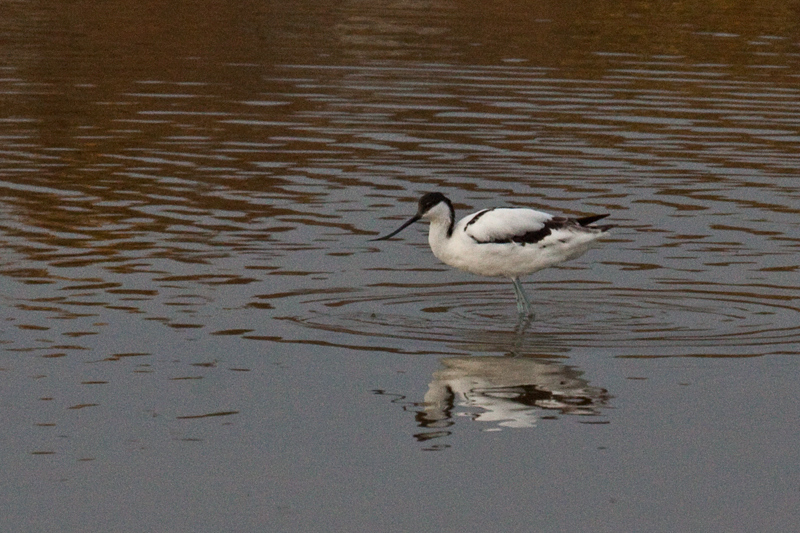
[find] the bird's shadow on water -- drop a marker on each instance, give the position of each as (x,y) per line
(527,383)
(497,393)
(497,370)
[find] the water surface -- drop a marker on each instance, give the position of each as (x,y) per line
(197,334)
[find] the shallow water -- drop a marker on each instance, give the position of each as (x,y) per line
(197,334)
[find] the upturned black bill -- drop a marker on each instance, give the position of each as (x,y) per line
(406,224)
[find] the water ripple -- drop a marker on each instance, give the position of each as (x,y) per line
(718,320)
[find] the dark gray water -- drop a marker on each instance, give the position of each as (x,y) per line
(197,335)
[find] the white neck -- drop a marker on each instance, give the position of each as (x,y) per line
(441,218)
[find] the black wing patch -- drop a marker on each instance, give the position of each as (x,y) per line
(530,237)
(478,215)
(555,223)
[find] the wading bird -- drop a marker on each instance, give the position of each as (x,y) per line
(508,242)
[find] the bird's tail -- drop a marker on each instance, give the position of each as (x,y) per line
(591,219)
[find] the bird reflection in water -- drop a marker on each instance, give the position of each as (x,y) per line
(506,392)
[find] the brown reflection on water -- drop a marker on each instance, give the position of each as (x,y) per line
(178,174)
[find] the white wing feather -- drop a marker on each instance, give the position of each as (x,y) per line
(502,224)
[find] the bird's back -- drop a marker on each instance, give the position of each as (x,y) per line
(501,224)
(512,242)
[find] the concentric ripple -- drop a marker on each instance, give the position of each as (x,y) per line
(712,320)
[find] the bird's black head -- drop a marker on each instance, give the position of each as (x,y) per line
(430,200)
(426,203)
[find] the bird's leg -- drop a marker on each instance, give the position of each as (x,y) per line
(523,305)
(523,322)
(516,292)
